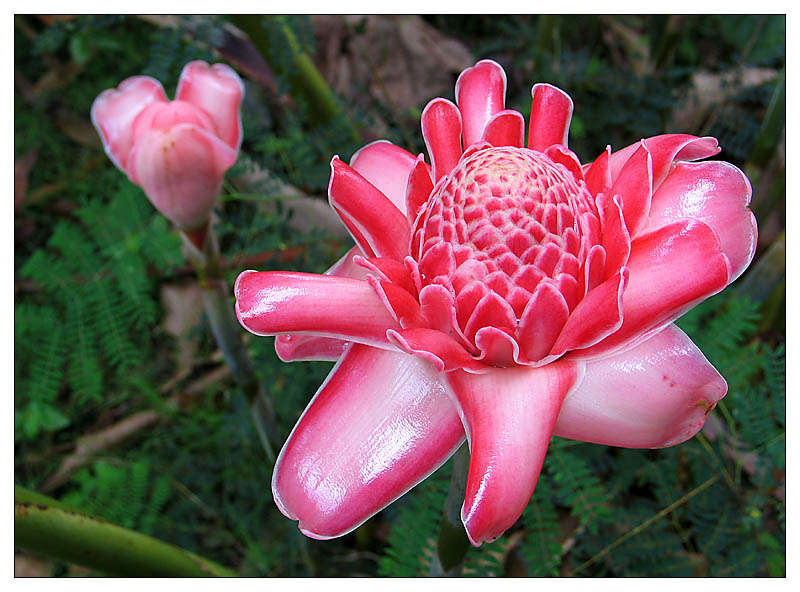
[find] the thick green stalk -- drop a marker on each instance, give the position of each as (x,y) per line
(453,544)
(228,334)
(46,526)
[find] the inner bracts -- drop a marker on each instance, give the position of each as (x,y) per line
(506,232)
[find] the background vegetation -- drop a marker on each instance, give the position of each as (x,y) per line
(124,408)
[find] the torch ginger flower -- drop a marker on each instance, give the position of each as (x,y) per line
(176,151)
(504,293)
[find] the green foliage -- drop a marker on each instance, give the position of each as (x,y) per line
(93,295)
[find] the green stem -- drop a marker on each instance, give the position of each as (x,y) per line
(453,544)
(228,334)
(46,526)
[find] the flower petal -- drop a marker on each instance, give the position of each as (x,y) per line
(440,350)
(380,424)
(635,185)
(480,93)
(664,150)
(441,129)
(551,112)
(387,167)
(418,190)
(671,270)
(509,415)
(598,174)
(542,321)
(376,224)
(218,90)
(273,302)
(505,128)
(115,110)
(717,193)
(181,171)
(654,395)
(298,347)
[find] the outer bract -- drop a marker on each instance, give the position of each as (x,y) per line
(505,293)
(176,151)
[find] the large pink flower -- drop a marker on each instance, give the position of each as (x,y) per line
(507,292)
(176,151)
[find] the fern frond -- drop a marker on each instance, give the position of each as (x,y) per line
(578,488)
(541,545)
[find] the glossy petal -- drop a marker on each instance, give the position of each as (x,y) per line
(598,174)
(441,129)
(376,224)
(181,171)
(418,190)
(665,150)
(634,185)
(505,128)
(379,425)
(217,90)
(115,110)
(717,193)
(655,395)
(671,270)
(442,351)
(298,347)
(387,167)
(551,112)
(508,415)
(480,93)
(273,302)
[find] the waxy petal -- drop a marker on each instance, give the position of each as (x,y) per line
(380,424)
(551,112)
(440,350)
(671,269)
(419,188)
(115,110)
(635,185)
(299,347)
(542,321)
(441,129)
(375,223)
(273,302)
(480,93)
(505,128)
(508,415)
(217,90)
(665,150)
(181,171)
(598,174)
(654,395)
(387,167)
(717,193)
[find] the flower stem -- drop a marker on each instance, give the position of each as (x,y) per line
(452,546)
(44,525)
(228,335)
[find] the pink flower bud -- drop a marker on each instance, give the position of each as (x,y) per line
(176,151)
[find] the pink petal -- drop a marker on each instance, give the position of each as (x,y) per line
(666,149)
(217,90)
(498,348)
(380,424)
(671,270)
(598,315)
(616,240)
(181,171)
(542,321)
(387,167)
(441,128)
(165,115)
(509,415)
(598,174)
(273,302)
(480,93)
(635,185)
(440,350)
(419,188)
(564,156)
(115,110)
(717,193)
(388,270)
(505,128)
(375,223)
(403,307)
(654,395)
(298,347)
(551,112)
(438,307)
